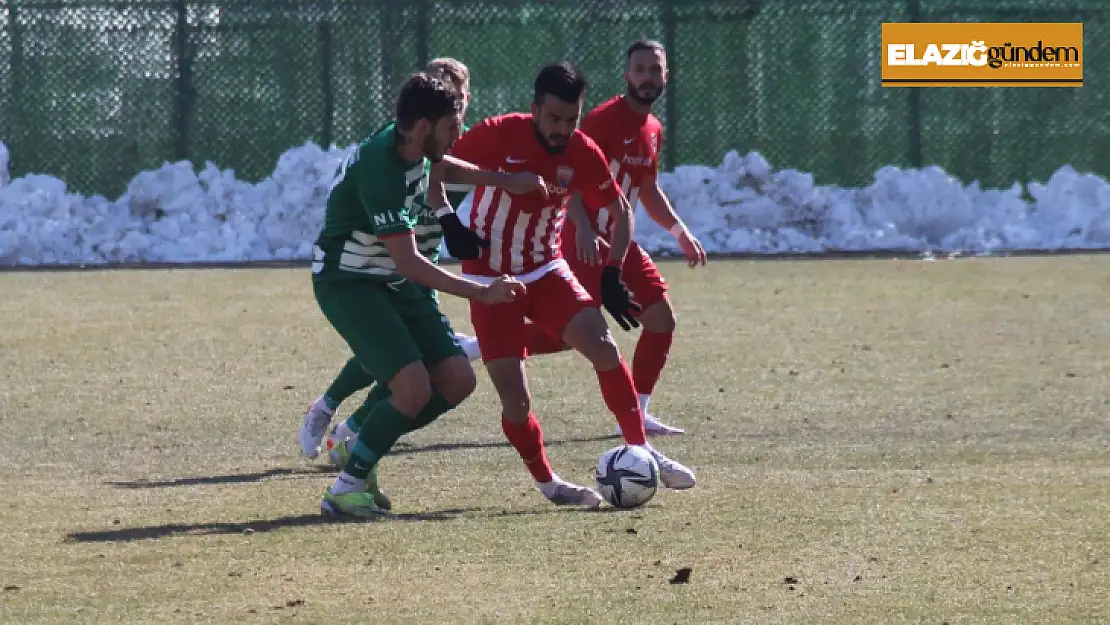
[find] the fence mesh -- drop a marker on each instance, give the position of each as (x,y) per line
(94,92)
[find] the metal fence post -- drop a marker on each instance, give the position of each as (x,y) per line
(669,97)
(183,99)
(325,44)
(17,92)
(914,104)
(422,34)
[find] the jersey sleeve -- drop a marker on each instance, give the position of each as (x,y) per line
(382,195)
(598,187)
(594,127)
(657,149)
(478,144)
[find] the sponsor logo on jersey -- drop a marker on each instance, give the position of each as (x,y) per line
(562,178)
(637,161)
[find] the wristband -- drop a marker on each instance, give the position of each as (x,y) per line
(443,211)
(678,230)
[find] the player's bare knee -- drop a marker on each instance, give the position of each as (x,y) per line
(659,317)
(604,354)
(454,378)
(588,333)
(411,389)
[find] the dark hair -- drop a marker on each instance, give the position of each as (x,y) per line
(424,97)
(641,45)
(562,80)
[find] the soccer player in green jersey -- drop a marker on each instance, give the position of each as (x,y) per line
(373,278)
(352,378)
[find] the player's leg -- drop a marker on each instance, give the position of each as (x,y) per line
(657,320)
(586,331)
(367,319)
(451,378)
(446,355)
(351,379)
(500,330)
(443,353)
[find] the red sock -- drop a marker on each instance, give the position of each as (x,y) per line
(620,397)
(527,438)
(540,342)
(649,359)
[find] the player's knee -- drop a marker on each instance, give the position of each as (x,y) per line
(458,382)
(659,317)
(590,336)
(411,389)
(605,354)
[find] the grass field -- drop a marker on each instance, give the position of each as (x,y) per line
(876,442)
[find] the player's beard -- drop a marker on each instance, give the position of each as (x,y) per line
(431,149)
(637,93)
(551,149)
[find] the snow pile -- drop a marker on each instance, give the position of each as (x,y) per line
(177,214)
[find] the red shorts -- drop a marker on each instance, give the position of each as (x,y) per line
(550,303)
(639,273)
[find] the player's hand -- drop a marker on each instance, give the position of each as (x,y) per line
(617,300)
(502,291)
(523,182)
(588,245)
(692,248)
(462,242)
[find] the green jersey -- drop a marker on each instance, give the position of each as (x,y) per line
(375,195)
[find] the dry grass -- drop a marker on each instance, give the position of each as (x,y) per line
(877,442)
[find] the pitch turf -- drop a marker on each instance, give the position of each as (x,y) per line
(877,442)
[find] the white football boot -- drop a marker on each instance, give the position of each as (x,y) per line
(655,427)
(672,474)
(563,493)
(315,426)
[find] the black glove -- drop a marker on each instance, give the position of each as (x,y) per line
(462,242)
(616,298)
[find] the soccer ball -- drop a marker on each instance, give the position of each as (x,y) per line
(627,476)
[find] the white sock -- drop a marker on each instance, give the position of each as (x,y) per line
(645,398)
(344,431)
(345,483)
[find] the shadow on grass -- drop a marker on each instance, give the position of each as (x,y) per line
(231,478)
(172,530)
(405,449)
(402,449)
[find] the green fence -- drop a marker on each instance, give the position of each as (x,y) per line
(94,92)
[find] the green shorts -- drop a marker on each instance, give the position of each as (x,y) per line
(386,332)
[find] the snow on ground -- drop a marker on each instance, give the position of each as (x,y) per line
(178,214)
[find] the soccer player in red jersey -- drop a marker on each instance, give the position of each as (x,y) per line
(631,137)
(523,233)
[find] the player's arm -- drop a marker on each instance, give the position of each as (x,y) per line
(457,171)
(662,212)
(480,145)
(601,191)
(586,240)
(462,242)
(412,265)
(395,232)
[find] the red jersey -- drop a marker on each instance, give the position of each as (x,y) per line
(523,230)
(631,142)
